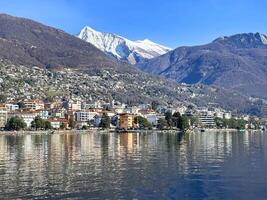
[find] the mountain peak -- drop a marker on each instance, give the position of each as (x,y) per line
(122,48)
(147,41)
(88,28)
(244,40)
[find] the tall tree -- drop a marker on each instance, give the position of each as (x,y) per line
(3,98)
(162,123)
(72,123)
(180,121)
(105,121)
(168,117)
(143,122)
(38,123)
(48,125)
(15,124)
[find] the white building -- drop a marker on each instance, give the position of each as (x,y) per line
(227,115)
(57,122)
(219,114)
(133,110)
(12,107)
(60,113)
(85,116)
(119,108)
(206,120)
(27,117)
(74,105)
(44,114)
(246,117)
(181,109)
(34,104)
(152,118)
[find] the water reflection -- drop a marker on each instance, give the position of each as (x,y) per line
(127,166)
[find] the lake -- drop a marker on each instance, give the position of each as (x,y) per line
(208,165)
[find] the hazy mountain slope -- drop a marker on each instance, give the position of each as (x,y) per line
(122,48)
(19,82)
(238,62)
(30,43)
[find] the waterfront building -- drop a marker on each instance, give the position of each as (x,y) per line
(57,122)
(227,115)
(126,121)
(27,116)
(85,116)
(152,118)
(206,120)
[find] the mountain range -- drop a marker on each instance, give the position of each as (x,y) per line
(37,60)
(122,48)
(238,63)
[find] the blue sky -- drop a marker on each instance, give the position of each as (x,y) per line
(170,22)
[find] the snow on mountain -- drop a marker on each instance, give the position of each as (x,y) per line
(122,48)
(248,40)
(263,38)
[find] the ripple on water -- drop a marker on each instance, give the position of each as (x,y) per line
(134,166)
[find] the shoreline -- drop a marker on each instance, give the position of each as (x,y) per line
(50,132)
(100,131)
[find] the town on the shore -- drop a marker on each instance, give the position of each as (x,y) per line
(67,114)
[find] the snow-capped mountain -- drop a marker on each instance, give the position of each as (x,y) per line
(122,48)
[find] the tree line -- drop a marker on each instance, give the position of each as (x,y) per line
(175,120)
(169,122)
(16,124)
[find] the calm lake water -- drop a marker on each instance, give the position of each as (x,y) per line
(134,166)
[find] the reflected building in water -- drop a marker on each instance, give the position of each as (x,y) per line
(30,163)
(128,142)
